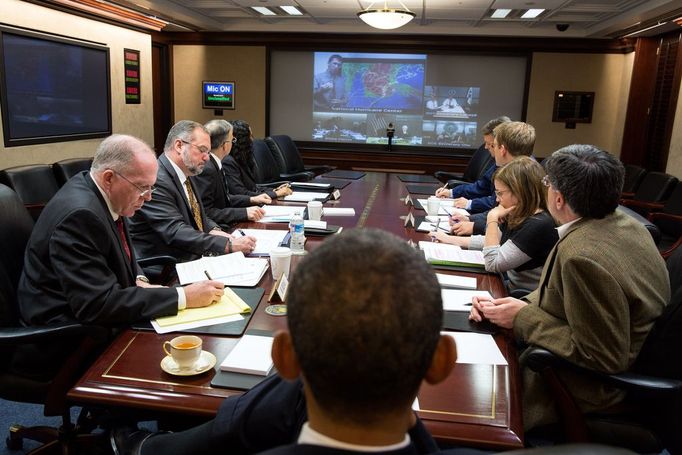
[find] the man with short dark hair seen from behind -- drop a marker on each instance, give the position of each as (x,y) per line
(602,286)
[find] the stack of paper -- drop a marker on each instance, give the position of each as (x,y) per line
(229,309)
(461,299)
(446,207)
(266,240)
(279,213)
(454,281)
(338,211)
(444,254)
(305,196)
(232,269)
(251,355)
(312,186)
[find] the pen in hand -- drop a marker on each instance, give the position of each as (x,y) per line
(241,232)
(207,275)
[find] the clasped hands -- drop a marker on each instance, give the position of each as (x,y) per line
(500,312)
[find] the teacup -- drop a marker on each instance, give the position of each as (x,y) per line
(185,350)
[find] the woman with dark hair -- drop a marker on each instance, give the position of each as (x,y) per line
(520,232)
(240,166)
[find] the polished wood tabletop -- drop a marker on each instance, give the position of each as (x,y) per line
(477,405)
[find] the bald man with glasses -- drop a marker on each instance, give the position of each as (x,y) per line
(174,222)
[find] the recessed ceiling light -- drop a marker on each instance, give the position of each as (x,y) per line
(264,11)
(291,10)
(500,13)
(532,13)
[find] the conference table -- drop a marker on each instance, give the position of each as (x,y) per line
(477,405)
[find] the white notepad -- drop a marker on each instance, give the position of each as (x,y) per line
(454,281)
(460,299)
(251,355)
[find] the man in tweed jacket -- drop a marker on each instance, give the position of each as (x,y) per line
(602,286)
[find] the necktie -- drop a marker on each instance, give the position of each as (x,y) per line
(122,235)
(196,211)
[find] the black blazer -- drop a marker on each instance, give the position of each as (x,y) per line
(75,268)
(221,207)
(242,181)
(165,225)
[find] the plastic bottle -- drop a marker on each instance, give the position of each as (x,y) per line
(297,230)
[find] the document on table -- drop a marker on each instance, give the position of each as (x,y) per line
(314,224)
(477,348)
(454,281)
(251,355)
(338,211)
(229,309)
(266,240)
(305,196)
(426,226)
(444,254)
(232,269)
(446,207)
(460,299)
(279,213)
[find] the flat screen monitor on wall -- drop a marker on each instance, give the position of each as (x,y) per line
(217,95)
(52,89)
(433,101)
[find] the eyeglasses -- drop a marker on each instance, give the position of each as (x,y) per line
(143,192)
(202,149)
(499,193)
(545,181)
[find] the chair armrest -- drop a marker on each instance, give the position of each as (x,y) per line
(319,170)
(13,336)
(627,195)
(538,359)
(156,260)
(651,206)
(298,176)
(664,216)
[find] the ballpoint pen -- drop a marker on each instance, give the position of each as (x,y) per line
(241,232)
(207,275)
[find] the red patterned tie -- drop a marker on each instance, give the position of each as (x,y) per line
(122,235)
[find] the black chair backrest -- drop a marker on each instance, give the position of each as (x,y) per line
(289,151)
(65,169)
(674,266)
(34,184)
(673,205)
(479,162)
(633,178)
(15,230)
(267,168)
(655,187)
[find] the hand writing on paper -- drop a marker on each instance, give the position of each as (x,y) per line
(203,293)
(463,228)
(443,192)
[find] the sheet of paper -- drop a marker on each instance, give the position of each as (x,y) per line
(310,185)
(251,355)
(304,196)
(454,281)
(266,239)
(230,305)
(434,219)
(253,270)
(275,219)
(477,348)
(281,210)
(426,226)
(441,253)
(460,299)
(218,268)
(446,207)
(338,211)
(315,224)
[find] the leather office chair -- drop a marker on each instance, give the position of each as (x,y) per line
(651,419)
(35,184)
(478,163)
(65,169)
(655,188)
(291,157)
(15,386)
(267,168)
(668,219)
(633,178)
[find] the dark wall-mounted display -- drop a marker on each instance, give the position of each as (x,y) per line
(573,107)
(131,59)
(52,89)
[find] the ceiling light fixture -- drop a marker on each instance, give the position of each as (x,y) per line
(386,18)
(264,11)
(500,13)
(291,10)
(532,13)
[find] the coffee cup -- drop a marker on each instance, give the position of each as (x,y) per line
(185,350)
(315,210)
(432,206)
(280,261)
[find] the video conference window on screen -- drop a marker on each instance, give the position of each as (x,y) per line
(356,96)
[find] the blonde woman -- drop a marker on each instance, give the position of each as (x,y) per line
(519,232)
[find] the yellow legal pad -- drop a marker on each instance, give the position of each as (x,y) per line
(229,304)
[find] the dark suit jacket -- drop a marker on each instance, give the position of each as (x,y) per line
(312,449)
(221,207)
(242,181)
(75,268)
(165,225)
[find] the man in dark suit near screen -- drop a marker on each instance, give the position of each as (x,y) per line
(79,264)
(221,206)
(174,222)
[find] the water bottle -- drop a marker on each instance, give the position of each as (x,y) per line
(297,230)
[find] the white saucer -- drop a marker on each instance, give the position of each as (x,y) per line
(206,362)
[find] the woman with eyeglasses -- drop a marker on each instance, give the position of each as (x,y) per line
(519,233)
(240,165)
